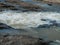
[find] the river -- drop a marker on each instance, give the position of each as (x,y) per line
(44,24)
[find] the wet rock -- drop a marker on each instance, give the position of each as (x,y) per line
(4,26)
(54,23)
(49,1)
(50,4)
(44,26)
(5,6)
(16,3)
(44,19)
(52,1)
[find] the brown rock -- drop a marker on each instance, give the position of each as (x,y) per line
(52,1)
(25,5)
(22,40)
(49,1)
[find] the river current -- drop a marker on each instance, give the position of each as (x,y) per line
(44,24)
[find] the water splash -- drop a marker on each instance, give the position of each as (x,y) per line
(28,19)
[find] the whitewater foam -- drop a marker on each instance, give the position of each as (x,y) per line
(57,42)
(28,19)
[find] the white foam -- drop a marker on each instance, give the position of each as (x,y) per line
(56,42)
(27,19)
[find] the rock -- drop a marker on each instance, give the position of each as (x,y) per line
(4,26)
(14,3)
(44,26)
(5,6)
(52,1)
(49,1)
(22,40)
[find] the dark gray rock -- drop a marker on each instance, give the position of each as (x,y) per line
(5,26)
(44,26)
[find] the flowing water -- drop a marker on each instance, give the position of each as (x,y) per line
(44,24)
(29,22)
